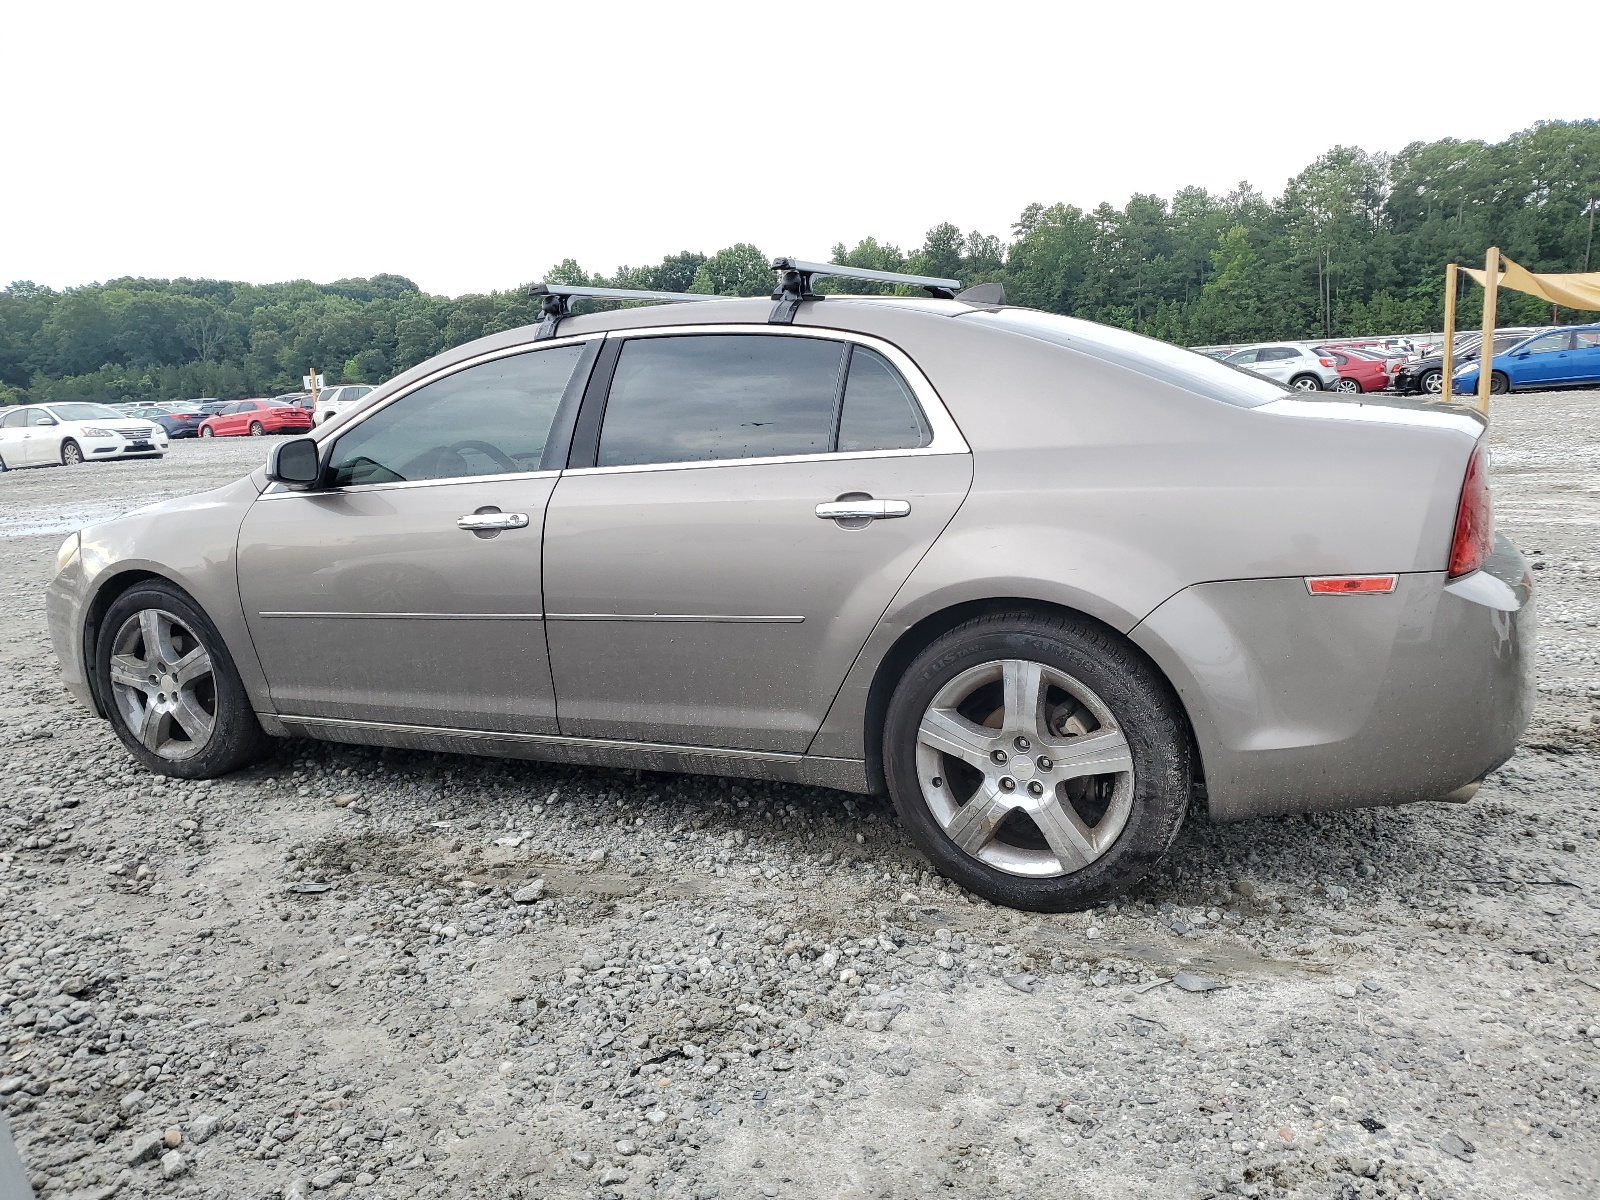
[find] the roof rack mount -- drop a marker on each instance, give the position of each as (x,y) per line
(556,301)
(794,284)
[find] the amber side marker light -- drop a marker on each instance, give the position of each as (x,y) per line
(1351,585)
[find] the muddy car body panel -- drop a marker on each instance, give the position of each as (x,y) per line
(700,617)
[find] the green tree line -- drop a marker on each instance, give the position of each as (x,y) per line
(1355,245)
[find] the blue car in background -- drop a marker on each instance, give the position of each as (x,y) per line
(1557,358)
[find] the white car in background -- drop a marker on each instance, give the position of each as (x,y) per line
(333,401)
(1294,365)
(73,431)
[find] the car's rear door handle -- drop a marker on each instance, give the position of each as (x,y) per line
(857,510)
(477,522)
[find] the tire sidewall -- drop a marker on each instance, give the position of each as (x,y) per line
(68,462)
(1145,710)
(236,737)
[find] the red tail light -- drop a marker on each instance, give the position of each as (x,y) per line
(1327,362)
(1474,523)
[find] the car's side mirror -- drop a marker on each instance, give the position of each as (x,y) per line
(297,464)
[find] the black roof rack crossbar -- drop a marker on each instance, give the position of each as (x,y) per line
(557,301)
(795,284)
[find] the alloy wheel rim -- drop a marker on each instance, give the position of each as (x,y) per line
(1025,768)
(164,684)
(1433,383)
(1305,385)
(71,455)
(1347,385)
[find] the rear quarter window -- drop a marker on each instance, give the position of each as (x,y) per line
(1186,369)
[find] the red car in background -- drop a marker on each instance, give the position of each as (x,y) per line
(1357,372)
(256,417)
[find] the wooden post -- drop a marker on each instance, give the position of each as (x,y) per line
(1447,374)
(1491,287)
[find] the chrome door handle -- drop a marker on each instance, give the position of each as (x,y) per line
(477,522)
(858,510)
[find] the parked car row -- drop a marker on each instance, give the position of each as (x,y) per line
(1566,356)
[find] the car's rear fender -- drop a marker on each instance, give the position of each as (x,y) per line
(1302,702)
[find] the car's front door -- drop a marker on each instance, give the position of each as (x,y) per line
(406,589)
(698,590)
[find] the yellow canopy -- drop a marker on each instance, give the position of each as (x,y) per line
(1578,290)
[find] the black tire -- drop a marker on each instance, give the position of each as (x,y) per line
(1146,713)
(1347,387)
(1431,383)
(236,738)
(206,431)
(1499,384)
(71,454)
(256,429)
(1306,383)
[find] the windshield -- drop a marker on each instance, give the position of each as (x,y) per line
(1158,360)
(85,412)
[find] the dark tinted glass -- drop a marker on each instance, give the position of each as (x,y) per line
(688,399)
(879,411)
(491,419)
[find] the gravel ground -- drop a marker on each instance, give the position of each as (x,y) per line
(372,973)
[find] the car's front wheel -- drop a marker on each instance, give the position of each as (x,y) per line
(174,695)
(1499,384)
(207,431)
(1431,383)
(1306,383)
(1039,761)
(71,453)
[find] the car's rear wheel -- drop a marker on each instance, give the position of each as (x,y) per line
(1499,384)
(174,694)
(1306,383)
(256,429)
(1039,761)
(1431,382)
(71,453)
(1347,386)
(207,431)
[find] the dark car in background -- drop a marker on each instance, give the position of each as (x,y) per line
(1424,374)
(178,422)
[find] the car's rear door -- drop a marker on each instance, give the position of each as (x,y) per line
(697,591)
(15,439)
(1585,356)
(407,589)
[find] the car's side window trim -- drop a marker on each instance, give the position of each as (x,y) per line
(585,449)
(947,437)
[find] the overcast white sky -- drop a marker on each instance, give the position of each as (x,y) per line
(470,146)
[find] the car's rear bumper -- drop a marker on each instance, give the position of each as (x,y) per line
(1303,703)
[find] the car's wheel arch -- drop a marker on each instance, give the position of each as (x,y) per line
(119,579)
(929,628)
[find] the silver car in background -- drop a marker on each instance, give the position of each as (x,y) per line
(1300,367)
(1046,582)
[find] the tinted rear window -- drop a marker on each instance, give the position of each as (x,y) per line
(1158,360)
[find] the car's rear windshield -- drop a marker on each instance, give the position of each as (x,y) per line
(1182,368)
(85,412)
